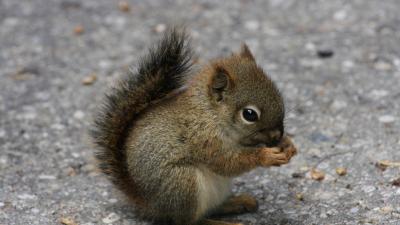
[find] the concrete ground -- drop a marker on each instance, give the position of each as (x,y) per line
(336,62)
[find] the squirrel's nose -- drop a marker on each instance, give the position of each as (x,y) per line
(271,138)
(275,135)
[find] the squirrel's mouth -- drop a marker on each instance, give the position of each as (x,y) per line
(249,142)
(264,138)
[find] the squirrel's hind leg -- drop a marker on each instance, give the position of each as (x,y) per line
(215,222)
(243,203)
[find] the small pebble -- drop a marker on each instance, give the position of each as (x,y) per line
(105,64)
(386,119)
(354,210)
(124,6)
(2,133)
(297,175)
(35,211)
(10,21)
(78,30)
(340,15)
(304,168)
(46,177)
(310,63)
(368,189)
(376,94)
(314,152)
(159,28)
(318,137)
(310,46)
(3,162)
(79,114)
(26,196)
(57,126)
(348,64)
(325,53)
(88,168)
(252,25)
(113,200)
(89,79)
(317,174)
(111,218)
(338,105)
(341,171)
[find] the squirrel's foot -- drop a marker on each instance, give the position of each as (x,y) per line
(243,203)
(216,222)
(280,155)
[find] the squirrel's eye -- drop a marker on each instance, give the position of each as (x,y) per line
(250,114)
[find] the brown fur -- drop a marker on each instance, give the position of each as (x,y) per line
(167,129)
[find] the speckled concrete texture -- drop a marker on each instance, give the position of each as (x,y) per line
(336,62)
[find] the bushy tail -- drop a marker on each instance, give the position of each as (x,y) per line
(160,72)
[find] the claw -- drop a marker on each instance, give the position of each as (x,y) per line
(278,155)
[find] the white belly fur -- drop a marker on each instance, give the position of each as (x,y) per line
(212,190)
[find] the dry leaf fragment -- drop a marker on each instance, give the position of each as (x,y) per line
(396,182)
(387,163)
(386,209)
(89,79)
(341,171)
(26,72)
(317,175)
(299,196)
(380,166)
(71,172)
(79,30)
(21,76)
(124,6)
(67,221)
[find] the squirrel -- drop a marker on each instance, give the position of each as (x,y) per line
(172,139)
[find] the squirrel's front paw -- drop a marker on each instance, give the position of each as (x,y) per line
(287,146)
(277,156)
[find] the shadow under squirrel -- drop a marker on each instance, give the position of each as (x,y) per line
(172,139)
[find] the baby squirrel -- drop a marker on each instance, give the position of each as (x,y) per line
(172,140)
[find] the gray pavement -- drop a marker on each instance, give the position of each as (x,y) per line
(343,104)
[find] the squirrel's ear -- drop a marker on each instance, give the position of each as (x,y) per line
(246,53)
(220,81)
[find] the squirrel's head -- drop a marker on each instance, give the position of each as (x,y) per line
(246,101)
